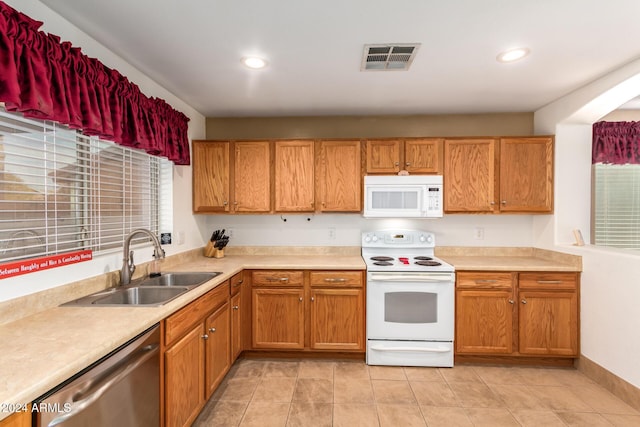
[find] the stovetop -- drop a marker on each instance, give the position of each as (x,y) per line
(401,250)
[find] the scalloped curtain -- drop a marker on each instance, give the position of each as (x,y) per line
(44,78)
(616,143)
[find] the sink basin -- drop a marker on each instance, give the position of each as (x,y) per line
(141,296)
(187,279)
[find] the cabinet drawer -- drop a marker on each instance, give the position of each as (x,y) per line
(336,278)
(182,320)
(277,278)
(548,280)
(236,283)
(489,280)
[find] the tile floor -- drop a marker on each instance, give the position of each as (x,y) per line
(321,393)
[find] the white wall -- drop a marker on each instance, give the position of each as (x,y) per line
(184,222)
(610,281)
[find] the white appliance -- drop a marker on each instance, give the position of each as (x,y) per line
(408,196)
(410,300)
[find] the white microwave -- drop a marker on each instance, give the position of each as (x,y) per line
(398,196)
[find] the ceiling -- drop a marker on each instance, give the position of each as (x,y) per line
(314,48)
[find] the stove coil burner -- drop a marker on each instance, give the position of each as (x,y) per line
(423,258)
(428,263)
(382,263)
(381,258)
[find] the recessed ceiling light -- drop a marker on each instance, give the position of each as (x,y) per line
(513,54)
(254,62)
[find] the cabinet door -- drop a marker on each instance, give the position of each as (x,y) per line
(548,323)
(252,176)
(210,176)
(469,175)
(484,321)
(526,174)
(278,318)
(337,319)
(19,419)
(236,327)
(217,348)
(383,156)
(294,176)
(340,176)
(422,155)
(184,378)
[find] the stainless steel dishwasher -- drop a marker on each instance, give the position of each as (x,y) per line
(122,389)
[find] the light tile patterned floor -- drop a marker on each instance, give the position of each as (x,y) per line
(318,393)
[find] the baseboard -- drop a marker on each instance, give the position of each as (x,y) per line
(616,385)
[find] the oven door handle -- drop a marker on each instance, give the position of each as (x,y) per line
(413,349)
(448,277)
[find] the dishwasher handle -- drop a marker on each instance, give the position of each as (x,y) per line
(120,371)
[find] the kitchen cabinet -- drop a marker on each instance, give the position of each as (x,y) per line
(415,155)
(19,419)
(509,175)
(252,176)
(484,313)
(526,174)
(210,176)
(517,314)
(294,176)
(469,175)
(337,311)
(193,366)
(339,176)
(287,304)
(237,314)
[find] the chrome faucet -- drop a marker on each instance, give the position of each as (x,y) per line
(128,267)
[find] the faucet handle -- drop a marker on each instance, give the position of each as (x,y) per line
(132,266)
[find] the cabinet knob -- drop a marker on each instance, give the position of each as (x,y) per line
(235,203)
(504,202)
(396,164)
(235,285)
(300,299)
(205,336)
(225,203)
(492,203)
(235,307)
(212,329)
(511,301)
(407,164)
(313,299)
(524,301)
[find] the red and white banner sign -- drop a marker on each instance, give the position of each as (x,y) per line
(27,266)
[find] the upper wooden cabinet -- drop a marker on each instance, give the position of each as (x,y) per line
(210,176)
(469,175)
(294,176)
(339,176)
(526,174)
(252,176)
(505,175)
(415,155)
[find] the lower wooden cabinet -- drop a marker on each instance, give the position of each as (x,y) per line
(19,419)
(308,310)
(517,314)
(197,355)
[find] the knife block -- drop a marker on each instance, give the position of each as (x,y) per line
(211,252)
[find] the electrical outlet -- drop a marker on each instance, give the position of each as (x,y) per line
(478,233)
(229,232)
(332,233)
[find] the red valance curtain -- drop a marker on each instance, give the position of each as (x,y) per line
(44,78)
(616,143)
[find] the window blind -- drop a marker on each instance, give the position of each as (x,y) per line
(62,191)
(616,205)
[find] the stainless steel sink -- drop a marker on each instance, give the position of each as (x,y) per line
(138,295)
(188,279)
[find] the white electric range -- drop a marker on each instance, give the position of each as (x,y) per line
(410,300)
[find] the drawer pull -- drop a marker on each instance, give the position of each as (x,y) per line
(278,279)
(550,282)
(335,279)
(238,284)
(486,281)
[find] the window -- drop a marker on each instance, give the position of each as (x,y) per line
(616,205)
(62,191)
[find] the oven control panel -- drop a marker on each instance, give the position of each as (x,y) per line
(398,239)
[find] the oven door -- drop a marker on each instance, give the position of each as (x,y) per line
(410,306)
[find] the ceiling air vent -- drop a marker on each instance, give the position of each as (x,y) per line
(388,57)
